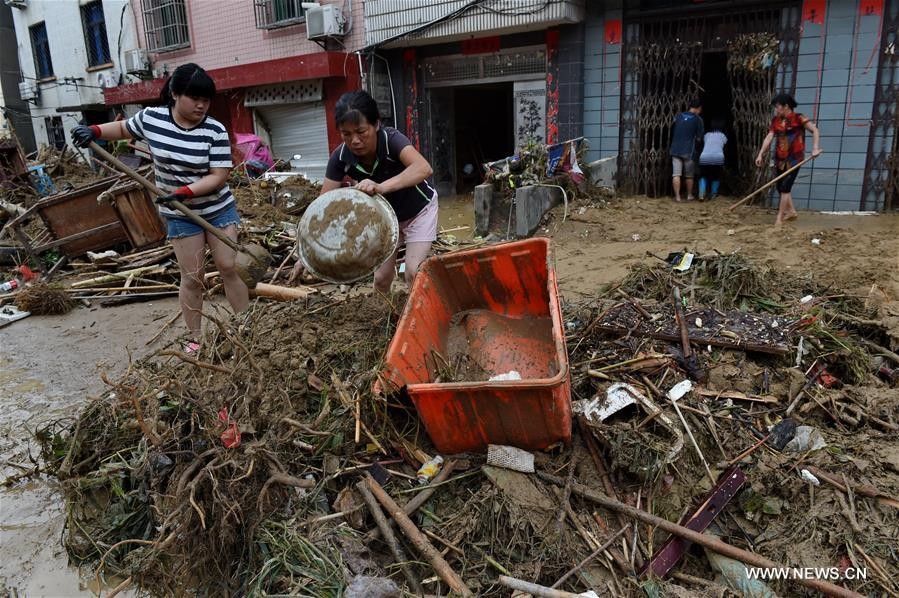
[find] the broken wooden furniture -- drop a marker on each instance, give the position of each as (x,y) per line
(12,161)
(108,213)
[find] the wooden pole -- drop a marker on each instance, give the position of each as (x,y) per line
(420,498)
(381,521)
(771,182)
(418,539)
(714,544)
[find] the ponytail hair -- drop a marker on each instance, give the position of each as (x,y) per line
(188,79)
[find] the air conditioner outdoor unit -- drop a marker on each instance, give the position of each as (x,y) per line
(136,61)
(28,91)
(323,21)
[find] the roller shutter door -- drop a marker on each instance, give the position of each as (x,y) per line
(299,129)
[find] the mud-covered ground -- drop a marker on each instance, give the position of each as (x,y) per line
(49,364)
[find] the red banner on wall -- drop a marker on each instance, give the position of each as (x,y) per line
(613,32)
(481,45)
(870,8)
(813,10)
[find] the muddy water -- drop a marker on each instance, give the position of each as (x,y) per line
(457,211)
(48,365)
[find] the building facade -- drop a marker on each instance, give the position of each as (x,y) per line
(645,59)
(473,81)
(272,79)
(68,54)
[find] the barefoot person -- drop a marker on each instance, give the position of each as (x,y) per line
(191,159)
(788,128)
(379,159)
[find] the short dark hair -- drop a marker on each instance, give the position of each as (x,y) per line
(695,103)
(717,124)
(784,99)
(190,80)
(353,106)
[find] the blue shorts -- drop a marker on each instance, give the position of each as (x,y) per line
(178,228)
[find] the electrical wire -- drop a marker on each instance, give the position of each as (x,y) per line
(447,17)
(519,10)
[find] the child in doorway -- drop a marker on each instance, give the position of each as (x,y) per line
(711,160)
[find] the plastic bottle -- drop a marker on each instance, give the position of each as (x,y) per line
(9,285)
(428,470)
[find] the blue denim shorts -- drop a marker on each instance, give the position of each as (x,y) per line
(178,228)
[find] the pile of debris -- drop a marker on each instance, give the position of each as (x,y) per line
(266,464)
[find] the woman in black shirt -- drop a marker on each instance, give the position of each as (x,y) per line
(379,159)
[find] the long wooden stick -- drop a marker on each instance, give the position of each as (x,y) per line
(418,539)
(771,182)
(381,521)
(419,499)
(750,558)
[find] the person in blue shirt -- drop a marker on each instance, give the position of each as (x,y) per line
(687,130)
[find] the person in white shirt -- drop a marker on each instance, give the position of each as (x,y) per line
(711,160)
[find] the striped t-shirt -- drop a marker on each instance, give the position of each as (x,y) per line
(184,156)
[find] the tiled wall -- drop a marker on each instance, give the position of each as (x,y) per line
(602,81)
(835,83)
(223,33)
(571,86)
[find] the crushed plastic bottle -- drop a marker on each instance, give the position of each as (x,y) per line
(428,470)
(9,285)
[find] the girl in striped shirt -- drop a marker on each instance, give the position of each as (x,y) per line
(191,161)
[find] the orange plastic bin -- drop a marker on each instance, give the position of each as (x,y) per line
(486,312)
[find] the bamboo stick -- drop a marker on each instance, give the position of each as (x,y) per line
(771,182)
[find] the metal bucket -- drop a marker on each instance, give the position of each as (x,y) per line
(346,234)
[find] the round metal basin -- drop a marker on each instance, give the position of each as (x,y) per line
(346,234)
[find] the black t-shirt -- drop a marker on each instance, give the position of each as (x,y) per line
(408,202)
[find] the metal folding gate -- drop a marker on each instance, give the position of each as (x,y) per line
(881,182)
(662,66)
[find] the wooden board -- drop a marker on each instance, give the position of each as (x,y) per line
(139,216)
(732,329)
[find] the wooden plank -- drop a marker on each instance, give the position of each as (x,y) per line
(731,330)
(139,216)
(91,235)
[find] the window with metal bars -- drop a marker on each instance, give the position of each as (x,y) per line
(56,135)
(95,38)
(165,25)
(271,14)
(40,46)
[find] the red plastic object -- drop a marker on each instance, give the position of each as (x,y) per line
(504,300)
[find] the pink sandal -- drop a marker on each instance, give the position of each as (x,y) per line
(191,348)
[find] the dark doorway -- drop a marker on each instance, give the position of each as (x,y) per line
(484,130)
(717,103)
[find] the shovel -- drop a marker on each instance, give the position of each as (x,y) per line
(252,260)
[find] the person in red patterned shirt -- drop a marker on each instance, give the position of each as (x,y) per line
(788,129)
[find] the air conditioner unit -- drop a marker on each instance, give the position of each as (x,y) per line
(137,61)
(20,4)
(28,91)
(324,21)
